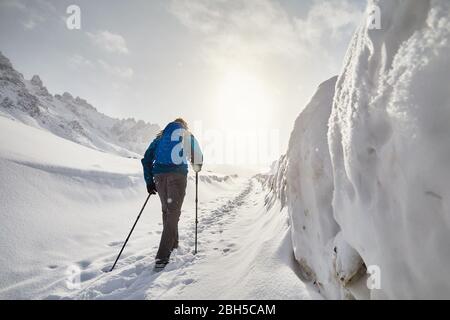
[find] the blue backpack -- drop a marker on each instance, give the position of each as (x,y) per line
(170,147)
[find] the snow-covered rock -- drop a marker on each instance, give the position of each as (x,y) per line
(40,89)
(14,96)
(367,174)
(69,117)
(275,182)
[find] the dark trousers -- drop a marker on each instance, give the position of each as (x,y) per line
(171,189)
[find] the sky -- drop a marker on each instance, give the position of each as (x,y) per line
(226,66)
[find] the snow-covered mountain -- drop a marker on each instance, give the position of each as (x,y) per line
(366,177)
(71,118)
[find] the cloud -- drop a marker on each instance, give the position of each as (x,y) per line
(329,20)
(33,13)
(13,4)
(32,21)
(327,29)
(257,30)
(109,41)
(241,27)
(76,61)
(125,73)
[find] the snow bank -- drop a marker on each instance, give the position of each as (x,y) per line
(321,253)
(389,141)
(367,167)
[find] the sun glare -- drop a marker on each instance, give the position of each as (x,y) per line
(244,102)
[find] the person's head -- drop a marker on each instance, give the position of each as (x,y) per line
(178,120)
(182,122)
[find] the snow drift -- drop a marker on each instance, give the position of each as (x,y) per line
(367,174)
(304,182)
(310,190)
(389,143)
(71,118)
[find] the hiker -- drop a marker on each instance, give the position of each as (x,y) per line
(165,171)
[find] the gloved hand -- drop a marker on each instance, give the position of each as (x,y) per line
(151,188)
(197,167)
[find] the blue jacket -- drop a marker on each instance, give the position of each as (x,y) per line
(158,157)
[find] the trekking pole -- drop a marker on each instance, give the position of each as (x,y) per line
(129,235)
(196,210)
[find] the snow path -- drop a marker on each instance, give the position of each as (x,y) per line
(244,252)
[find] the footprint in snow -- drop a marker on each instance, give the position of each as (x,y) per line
(106,269)
(133,271)
(228,248)
(84,264)
(188,281)
(86,276)
(114,244)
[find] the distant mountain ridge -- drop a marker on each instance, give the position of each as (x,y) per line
(29,102)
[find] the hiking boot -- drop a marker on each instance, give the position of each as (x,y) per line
(160,264)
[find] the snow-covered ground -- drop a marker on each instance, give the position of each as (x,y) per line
(244,253)
(67,208)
